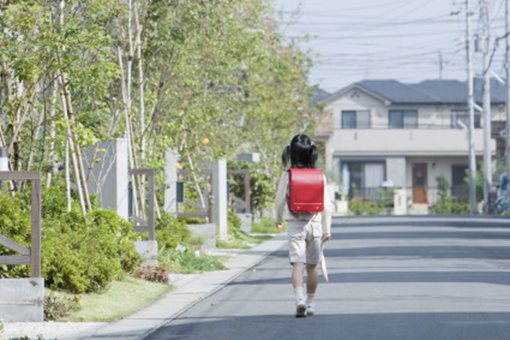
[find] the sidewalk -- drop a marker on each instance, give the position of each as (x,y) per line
(191,289)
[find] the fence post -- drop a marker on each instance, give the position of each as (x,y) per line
(21,299)
(220,200)
(35,251)
(172,158)
(152,231)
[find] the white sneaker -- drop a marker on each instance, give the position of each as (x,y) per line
(310,309)
(300,308)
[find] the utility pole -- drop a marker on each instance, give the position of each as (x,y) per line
(507,67)
(440,61)
(487,161)
(471,109)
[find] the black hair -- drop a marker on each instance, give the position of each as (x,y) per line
(302,152)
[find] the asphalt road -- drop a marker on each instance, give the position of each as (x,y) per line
(390,278)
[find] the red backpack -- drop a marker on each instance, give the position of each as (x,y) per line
(306,190)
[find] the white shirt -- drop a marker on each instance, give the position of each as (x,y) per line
(283,212)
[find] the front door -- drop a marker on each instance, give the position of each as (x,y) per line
(420,183)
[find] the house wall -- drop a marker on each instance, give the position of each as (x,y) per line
(436,166)
(396,171)
(433,137)
(434,142)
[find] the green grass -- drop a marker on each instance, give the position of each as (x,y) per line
(121,299)
(266,225)
(241,241)
(187,262)
(232,243)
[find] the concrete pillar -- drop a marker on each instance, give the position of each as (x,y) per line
(110,174)
(21,300)
(400,201)
(4,162)
(220,200)
(172,158)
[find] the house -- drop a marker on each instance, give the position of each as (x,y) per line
(410,134)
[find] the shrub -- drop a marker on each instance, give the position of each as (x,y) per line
(171,231)
(450,206)
(234,224)
(360,207)
(87,256)
(78,255)
(57,307)
(152,273)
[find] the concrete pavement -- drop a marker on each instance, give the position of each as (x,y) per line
(391,278)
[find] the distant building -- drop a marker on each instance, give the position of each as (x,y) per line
(410,134)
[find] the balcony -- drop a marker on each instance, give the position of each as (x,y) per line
(420,142)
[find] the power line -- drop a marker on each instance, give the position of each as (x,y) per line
(415,34)
(352,9)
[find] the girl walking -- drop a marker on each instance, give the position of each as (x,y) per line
(306,230)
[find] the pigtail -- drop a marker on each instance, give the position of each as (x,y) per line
(314,155)
(286,156)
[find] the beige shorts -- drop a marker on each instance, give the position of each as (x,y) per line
(304,241)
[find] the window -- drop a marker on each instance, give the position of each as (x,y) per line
(356,120)
(348,119)
(460,188)
(463,116)
(363,179)
(403,119)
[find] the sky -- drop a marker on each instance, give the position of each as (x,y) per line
(386,39)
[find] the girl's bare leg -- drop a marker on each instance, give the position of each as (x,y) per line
(311,282)
(297,274)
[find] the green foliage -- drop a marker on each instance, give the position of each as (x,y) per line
(15,224)
(234,224)
(446,204)
(386,197)
(360,207)
(242,242)
(262,187)
(450,206)
(171,231)
(266,225)
(77,255)
(442,187)
(237,239)
(187,262)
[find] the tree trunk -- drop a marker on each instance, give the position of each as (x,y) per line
(52,155)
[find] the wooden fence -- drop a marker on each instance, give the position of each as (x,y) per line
(32,255)
(142,223)
(199,209)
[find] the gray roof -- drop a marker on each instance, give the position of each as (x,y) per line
(437,91)
(318,96)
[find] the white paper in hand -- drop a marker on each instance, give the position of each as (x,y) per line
(324,268)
